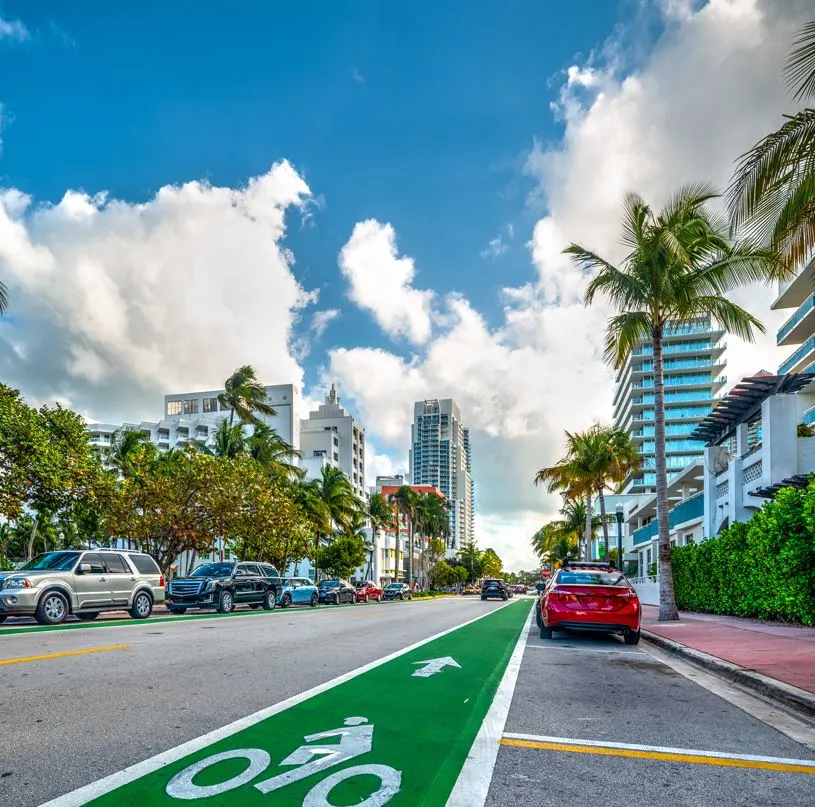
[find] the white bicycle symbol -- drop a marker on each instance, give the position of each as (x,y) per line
(355,739)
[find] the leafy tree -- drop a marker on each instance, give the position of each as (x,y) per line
(681,267)
(245,397)
(271,451)
(443,575)
(470,558)
(772,195)
(342,556)
(491,564)
(126,444)
(405,501)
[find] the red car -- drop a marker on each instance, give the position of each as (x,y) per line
(590,596)
(369,591)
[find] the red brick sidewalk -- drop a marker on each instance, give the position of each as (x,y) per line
(783,652)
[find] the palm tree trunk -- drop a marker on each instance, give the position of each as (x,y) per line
(30,553)
(587,531)
(667,600)
(410,553)
(396,551)
(602,499)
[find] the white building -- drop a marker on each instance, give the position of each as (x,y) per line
(753,448)
(331,436)
(440,456)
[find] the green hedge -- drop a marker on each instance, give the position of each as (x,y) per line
(763,569)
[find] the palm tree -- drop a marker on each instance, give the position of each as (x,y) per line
(470,556)
(341,505)
(380,514)
(227,440)
(245,396)
(680,268)
(269,449)
(127,443)
(772,195)
(3,297)
(404,501)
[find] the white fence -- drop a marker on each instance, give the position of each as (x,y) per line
(647,589)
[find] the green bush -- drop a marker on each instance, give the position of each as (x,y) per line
(763,569)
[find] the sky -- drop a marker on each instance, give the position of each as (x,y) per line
(377,196)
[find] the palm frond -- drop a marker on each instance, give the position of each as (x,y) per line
(732,317)
(622,334)
(800,68)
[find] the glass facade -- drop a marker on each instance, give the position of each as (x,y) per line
(692,368)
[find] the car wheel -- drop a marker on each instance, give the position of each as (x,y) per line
(546,633)
(336,599)
(379,598)
(286,602)
(52,608)
(410,596)
(142,606)
(270,600)
(178,611)
(314,599)
(226,603)
(87,616)
(504,598)
(538,620)
(632,637)
(365,598)
(483,599)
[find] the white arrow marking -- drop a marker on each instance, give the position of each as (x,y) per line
(433,666)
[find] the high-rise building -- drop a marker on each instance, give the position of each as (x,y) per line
(692,366)
(440,456)
(331,436)
(799,329)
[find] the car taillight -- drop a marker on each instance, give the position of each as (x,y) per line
(559,596)
(161,581)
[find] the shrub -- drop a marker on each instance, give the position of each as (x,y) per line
(763,569)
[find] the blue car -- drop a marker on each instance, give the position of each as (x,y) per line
(298,591)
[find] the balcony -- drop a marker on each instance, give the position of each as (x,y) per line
(691,508)
(796,292)
(800,359)
(799,326)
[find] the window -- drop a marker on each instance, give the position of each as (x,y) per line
(210,404)
(336,457)
(95,561)
(115,563)
(173,408)
(191,406)
(144,564)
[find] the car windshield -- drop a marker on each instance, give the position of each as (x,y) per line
(214,570)
(394,585)
(329,583)
(590,578)
(53,561)
(493,582)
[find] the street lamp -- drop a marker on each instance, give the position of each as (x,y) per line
(619,512)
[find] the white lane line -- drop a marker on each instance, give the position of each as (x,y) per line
(657,749)
(760,709)
(96,789)
(587,650)
(473,783)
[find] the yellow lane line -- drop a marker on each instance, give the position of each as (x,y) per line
(662,756)
(64,654)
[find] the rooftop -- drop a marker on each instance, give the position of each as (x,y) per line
(743,401)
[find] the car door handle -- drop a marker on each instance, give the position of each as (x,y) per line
(102,579)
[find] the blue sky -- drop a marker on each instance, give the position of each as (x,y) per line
(419,113)
(185,187)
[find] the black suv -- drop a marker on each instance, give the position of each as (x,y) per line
(336,591)
(222,586)
(494,588)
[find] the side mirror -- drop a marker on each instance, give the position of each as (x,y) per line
(84,568)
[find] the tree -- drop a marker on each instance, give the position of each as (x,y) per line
(558,540)
(342,556)
(405,500)
(772,195)
(380,515)
(470,558)
(245,397)
(443,575)
(227,440)
(491,564)
(125,445)
(271,451)
(680,268)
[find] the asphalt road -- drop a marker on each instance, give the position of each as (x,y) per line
(71,719)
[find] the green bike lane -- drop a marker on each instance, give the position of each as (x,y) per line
(396,731)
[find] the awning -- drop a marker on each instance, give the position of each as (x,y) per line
(798,481)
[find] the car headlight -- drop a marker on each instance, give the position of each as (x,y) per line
(210,586)
(17,582)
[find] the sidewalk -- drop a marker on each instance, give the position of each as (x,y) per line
(774,652)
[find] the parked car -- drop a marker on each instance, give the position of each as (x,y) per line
(519,589)
(222,586)
(590,596)
(369,591)
(494,588)
(298,591)
(336,591)
(84,583)
(398,591)
(471,589)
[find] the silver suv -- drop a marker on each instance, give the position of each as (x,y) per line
(83,583)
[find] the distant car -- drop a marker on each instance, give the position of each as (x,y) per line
(222,586)
(494,588)
(369,591)
(334,592)
(519,589)
(84,583)
(592,597)
(298,591)
(471,589)
(398,591)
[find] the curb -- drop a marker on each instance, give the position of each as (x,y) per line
(790,696)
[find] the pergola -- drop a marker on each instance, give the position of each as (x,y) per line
(743,402)
(798,481)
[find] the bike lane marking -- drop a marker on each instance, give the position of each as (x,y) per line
(408,737)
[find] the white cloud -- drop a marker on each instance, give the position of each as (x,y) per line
(357,76)
(382,282)
(113,304)
(496,248)
(14,30)
(700,97)
(320,320)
